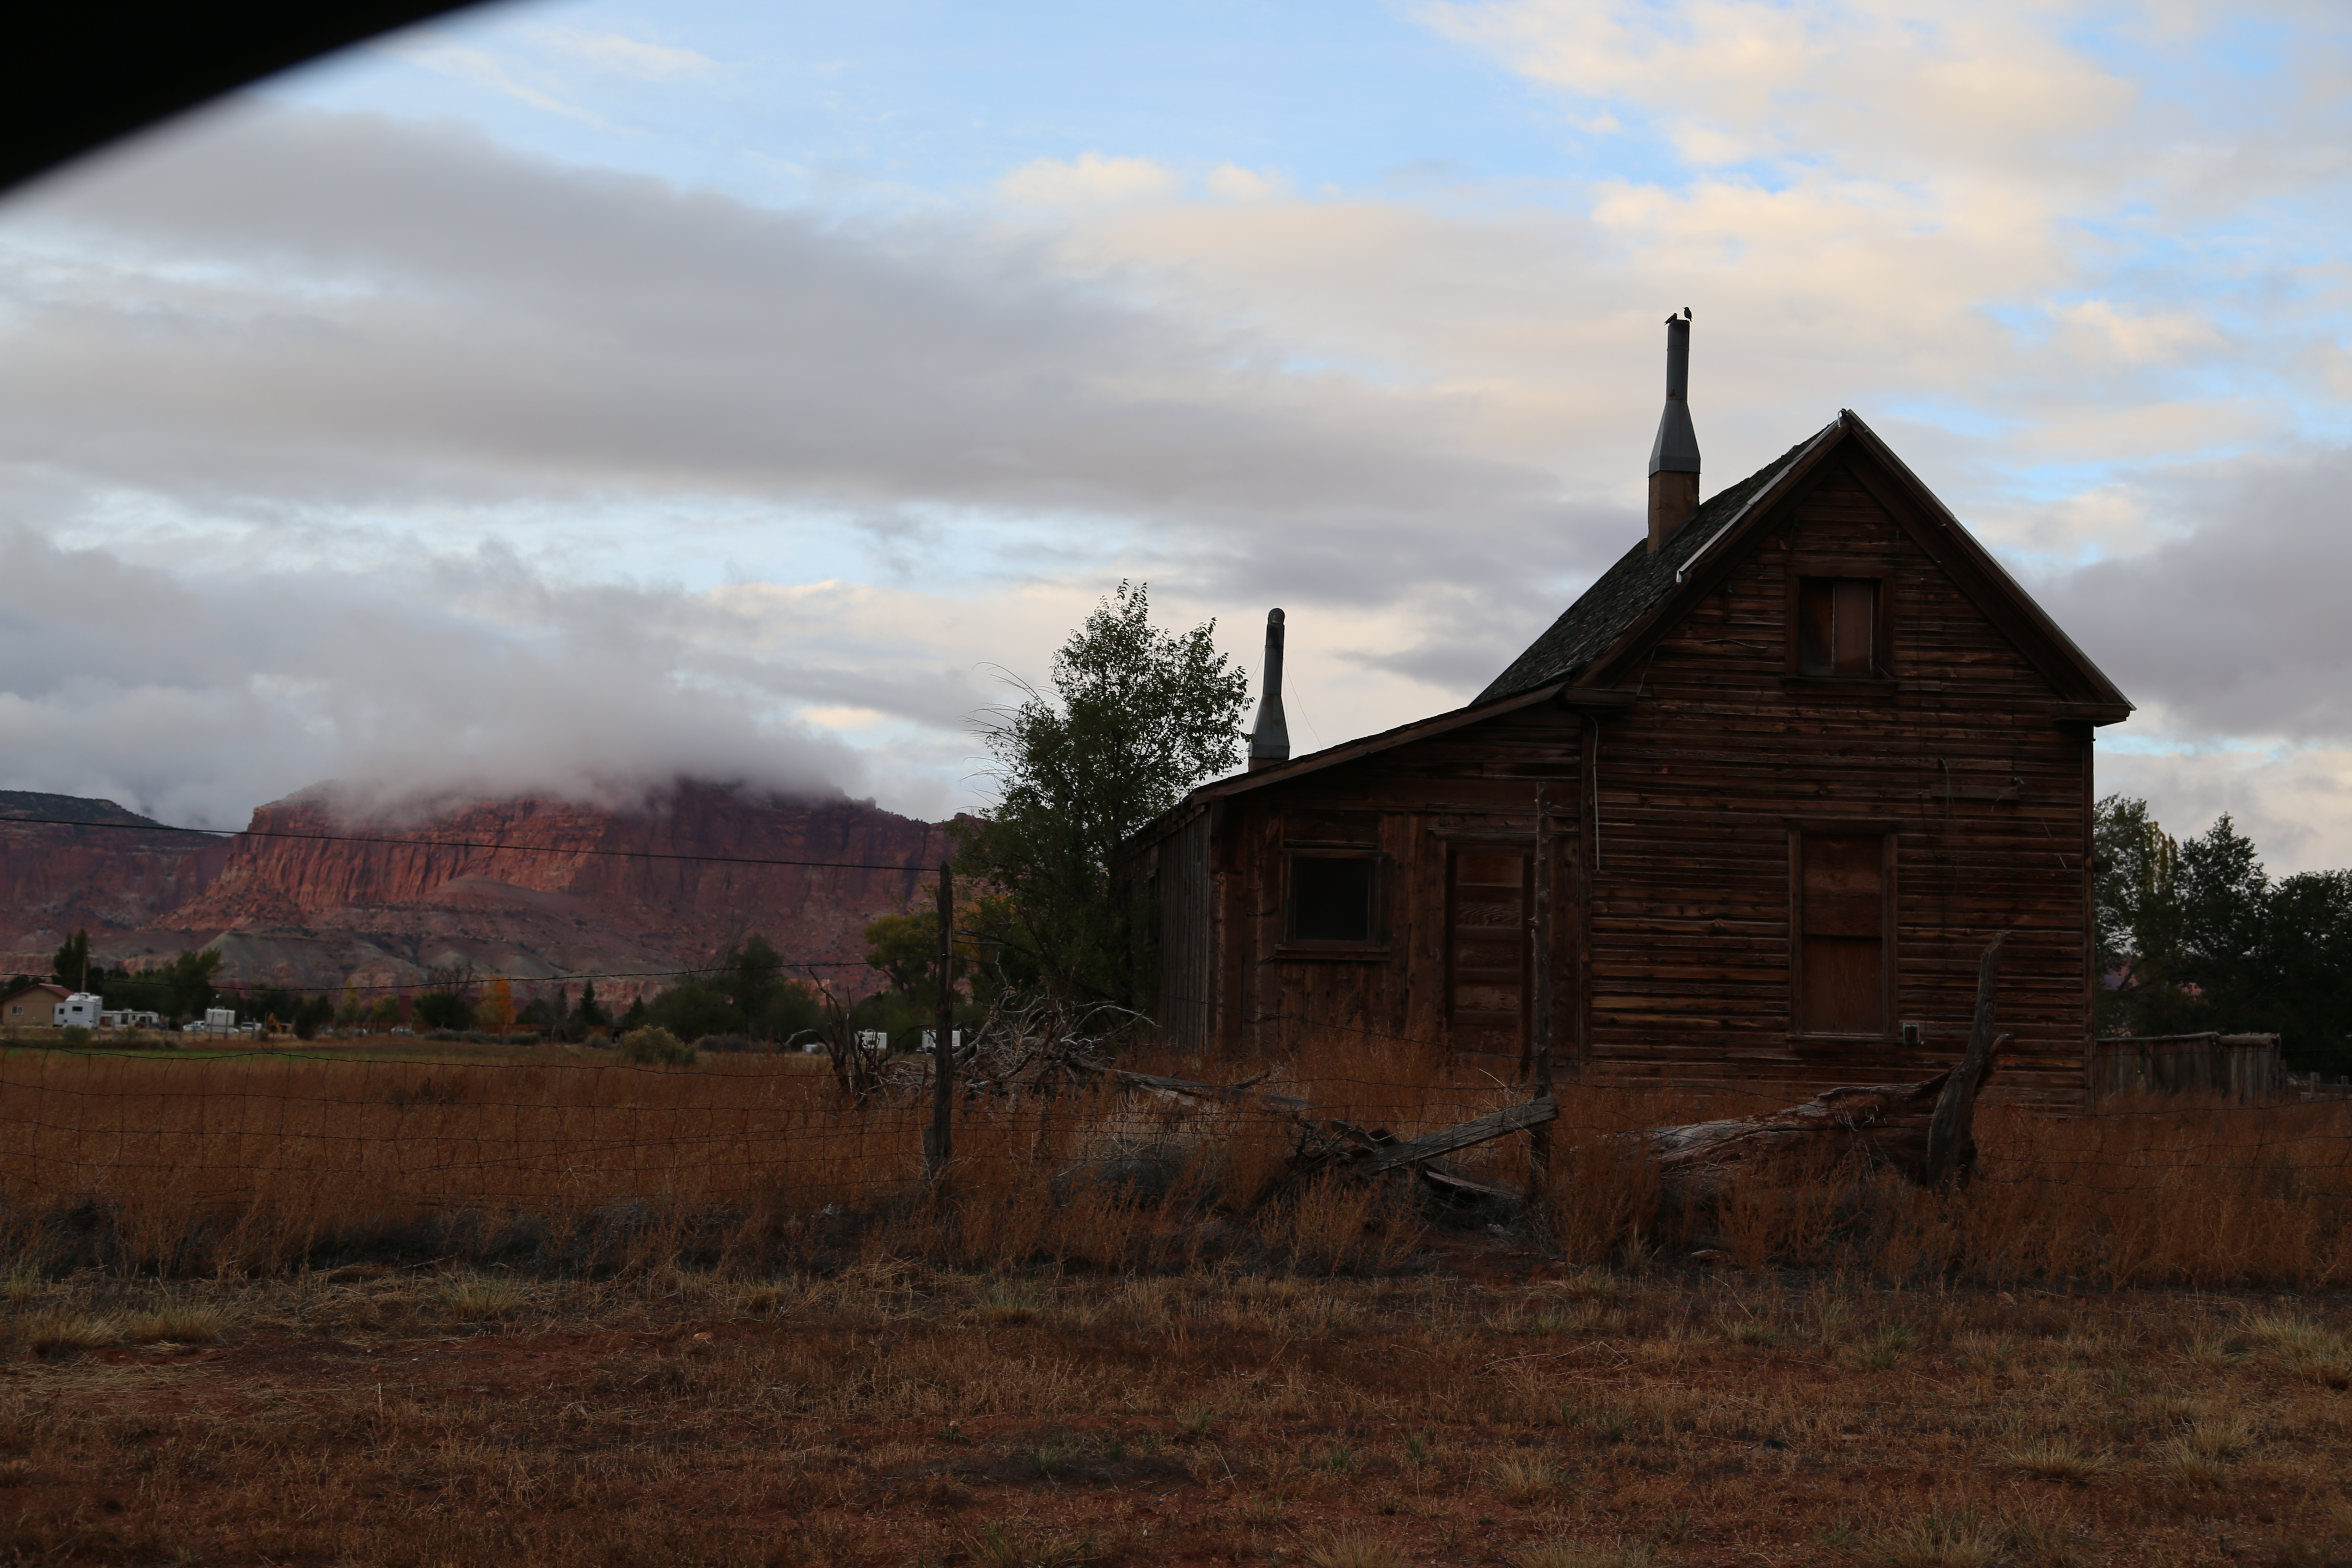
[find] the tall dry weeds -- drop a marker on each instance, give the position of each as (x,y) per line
(191,1166)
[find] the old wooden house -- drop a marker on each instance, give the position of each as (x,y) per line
(1750,809)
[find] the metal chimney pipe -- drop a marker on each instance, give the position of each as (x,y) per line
(1270,740)
(1674,456)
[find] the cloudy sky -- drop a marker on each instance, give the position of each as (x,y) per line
(568,394)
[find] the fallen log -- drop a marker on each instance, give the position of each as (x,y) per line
(1920,1130)
(1882,1126)
(1925,1131)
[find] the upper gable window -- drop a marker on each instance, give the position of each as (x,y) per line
(1837,629)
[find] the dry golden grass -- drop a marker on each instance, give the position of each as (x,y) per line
(891,1412)
(188,1167)
(1564,1554)
(175,1323)
(1353,1551)
(1959,1538)
(1525,1481)
(2057,1460)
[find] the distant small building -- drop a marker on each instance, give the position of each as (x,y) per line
(79,1010)
(36,1003)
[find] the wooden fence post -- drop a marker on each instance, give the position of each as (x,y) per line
(1539,938)
(935,1145)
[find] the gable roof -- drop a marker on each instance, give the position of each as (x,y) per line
(1639,579)
(59,992)
(1642,593)
(1579,661)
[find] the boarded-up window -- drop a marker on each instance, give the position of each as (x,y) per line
(1333,899)
(1837,626)
(1488,909)
(1842,921)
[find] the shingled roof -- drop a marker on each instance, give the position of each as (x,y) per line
(1639,580)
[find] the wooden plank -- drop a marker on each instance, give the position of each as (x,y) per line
(1190,1089)
(1519,1118)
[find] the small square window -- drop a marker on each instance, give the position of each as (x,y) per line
(1332,899)
(1837,626)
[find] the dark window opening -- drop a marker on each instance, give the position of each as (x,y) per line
(1841,920)
(1837,626)
(1332,898)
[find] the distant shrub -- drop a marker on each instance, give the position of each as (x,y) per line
(723,1043)
(655,1045)
(443,1035)
(75,1036)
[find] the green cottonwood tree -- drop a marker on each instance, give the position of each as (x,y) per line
(1136,716)
(2198,936)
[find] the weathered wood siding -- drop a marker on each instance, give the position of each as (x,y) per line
(1957,754)
(1671,837)
(1178,894)
(1411,806)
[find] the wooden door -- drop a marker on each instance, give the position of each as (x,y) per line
(1841,924)
(1489,980)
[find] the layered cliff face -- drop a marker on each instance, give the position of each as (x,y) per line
(81,870)
(528,889)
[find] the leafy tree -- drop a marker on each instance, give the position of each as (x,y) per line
(180,989)
(750,976)
(795,1009)
(589,1015)
(634,1017)
(1000,960)
(353,1010)
(71,967)
(2132,861)
(496,1010)
(907,948)
(444,1010)
(270,1004)
(310,1015)
(187,980)
(1136,717)
(385,1013)
(2196,935)
(746,995)
(540,1013)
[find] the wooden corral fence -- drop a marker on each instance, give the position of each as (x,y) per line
(2310,1086)
(2240,1067)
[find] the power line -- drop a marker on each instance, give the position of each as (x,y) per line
(464,843)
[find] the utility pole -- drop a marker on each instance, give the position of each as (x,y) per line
(936,1148)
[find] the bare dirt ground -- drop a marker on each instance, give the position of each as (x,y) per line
(1499,1411)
